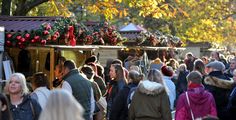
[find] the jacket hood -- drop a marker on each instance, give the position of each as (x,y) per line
(217,82)
(150,88)
(198,95)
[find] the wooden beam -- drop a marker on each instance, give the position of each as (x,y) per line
(51,67)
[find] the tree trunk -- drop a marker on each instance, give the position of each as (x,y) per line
(6,7)
(24,7)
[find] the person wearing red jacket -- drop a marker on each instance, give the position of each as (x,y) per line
(195,102)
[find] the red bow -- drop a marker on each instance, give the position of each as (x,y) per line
(72,40)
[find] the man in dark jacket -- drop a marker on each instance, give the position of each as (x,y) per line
(79,87)
(219,85)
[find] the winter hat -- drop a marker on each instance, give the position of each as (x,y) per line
(91,59)
(216,65)
(195,77)
(167,71)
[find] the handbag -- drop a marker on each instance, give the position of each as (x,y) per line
(189,106)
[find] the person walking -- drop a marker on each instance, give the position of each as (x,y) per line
(79,87)
(150,101)
(195,102)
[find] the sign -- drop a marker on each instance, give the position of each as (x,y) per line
(2,38)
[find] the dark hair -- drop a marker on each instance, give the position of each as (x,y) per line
(60,66)
(6,114)
(40,79)
(88,71)
(199,66)
(120,73)
(100,70)
(70,64)
(135,76)
(117,61)
(195,77)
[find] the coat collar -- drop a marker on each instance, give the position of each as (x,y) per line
(217,82)
(74,71)
(150,88)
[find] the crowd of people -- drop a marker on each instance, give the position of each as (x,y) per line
(196,88)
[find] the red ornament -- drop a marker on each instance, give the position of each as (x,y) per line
(33,41)
(57,34)
(18,37)
(36,38)
(27,36)
(22,40)
(9,35)
(8,43)
(43,42)
(54,37)
(48,27)
(45,32)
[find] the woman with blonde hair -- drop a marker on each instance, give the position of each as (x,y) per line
(61,105)
(22,106)
(150,100)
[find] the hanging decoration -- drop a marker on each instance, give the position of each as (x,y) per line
(158,39)
(66,31)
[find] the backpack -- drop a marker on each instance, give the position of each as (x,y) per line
(130,95)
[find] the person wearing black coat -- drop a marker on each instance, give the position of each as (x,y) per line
(220,86)
(119,109)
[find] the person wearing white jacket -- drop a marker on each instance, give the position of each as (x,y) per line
(41,92)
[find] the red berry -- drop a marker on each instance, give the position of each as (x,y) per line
(43,42)
(33,41)
(8,43)
(45,32)
(27,36)
(36,38)
(18,37)
(9,35)
(22,40)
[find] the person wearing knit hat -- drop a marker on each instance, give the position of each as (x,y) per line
(200,102)
(167,73)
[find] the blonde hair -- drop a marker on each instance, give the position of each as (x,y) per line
(21,78)
(155,75)
(61,105)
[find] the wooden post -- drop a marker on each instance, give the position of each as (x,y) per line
(51,67)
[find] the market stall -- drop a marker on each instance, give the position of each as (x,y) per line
(45,43)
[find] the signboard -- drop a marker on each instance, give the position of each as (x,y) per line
(2,38)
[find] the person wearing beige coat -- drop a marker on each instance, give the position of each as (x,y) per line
(150,100)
